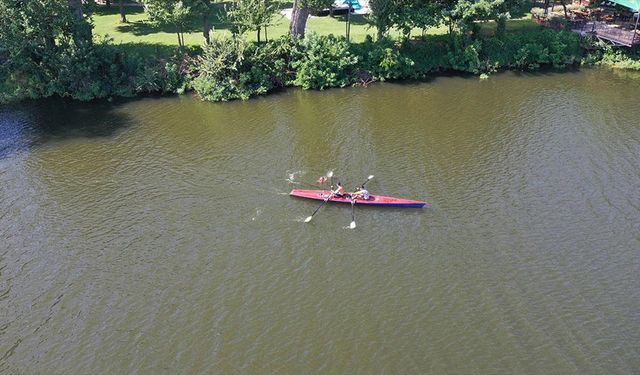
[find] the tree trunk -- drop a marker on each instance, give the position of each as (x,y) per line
(564,7)
(349,23)
(266,38)
(123,17)
(82,29)
(76,8)
(546,7)
(259,29)
(108,3)
(299,17)
(206,28)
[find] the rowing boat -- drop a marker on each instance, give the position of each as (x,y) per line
(374,200)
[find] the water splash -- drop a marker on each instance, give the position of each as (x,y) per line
(258,212)
(291,176)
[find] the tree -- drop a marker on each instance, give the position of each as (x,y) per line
(123,17)
(382,12)
(206,10)
(203,8)
(464,15)
(300,13)
(82,28)
(253,15)
(33,37)
(409,14)
(169,12)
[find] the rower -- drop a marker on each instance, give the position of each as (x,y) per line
(339,191)
(360,193)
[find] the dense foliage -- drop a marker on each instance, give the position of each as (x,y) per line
(230,70)
(251,15)
(605,55)
(46,50)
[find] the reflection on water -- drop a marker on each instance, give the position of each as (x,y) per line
(157,235)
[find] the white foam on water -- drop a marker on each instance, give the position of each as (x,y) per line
(258,212)
(291,178)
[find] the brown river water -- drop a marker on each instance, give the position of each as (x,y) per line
(156,235)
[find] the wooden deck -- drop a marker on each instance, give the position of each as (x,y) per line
(607,32)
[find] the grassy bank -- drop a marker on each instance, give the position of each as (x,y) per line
(140,57)
(139,29)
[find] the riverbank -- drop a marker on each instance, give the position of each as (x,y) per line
(232,68)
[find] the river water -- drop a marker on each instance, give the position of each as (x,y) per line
(156,235)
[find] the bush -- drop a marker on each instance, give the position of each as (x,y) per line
(323,61)
(233,69)
(217,71)
(268,66)
(530,51)
(465,57)
(90,71)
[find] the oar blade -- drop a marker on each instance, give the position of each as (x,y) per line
(352,225)
(308,219)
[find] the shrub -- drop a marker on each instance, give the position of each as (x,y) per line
(217,71)
(465,57)
(383,60)
(323,61)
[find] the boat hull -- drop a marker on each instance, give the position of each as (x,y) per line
(374,200)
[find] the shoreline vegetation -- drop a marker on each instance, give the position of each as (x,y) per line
(65,55)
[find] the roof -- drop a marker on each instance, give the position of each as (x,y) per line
(631,4)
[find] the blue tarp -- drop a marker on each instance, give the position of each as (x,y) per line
(634,5)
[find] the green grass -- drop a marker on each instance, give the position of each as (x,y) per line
(138,29)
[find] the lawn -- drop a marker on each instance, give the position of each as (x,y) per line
(139,30)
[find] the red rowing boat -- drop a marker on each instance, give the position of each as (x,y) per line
(374,200)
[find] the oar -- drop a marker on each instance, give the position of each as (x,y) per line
(368,178)
(308,219)
(353,202)
(353,217)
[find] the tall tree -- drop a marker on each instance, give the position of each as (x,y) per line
(463,15)
(33,37)
(252,15)
(205,9)
(123,16)
(82,28)
(300,13)
(411,14)
(76,7)
(169,12)
(382,13)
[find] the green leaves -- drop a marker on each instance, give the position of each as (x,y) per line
(323,61)
(250,15)
(169,12)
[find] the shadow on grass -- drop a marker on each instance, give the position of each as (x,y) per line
(195,24)
(356,19)
(114,9)
(145,27)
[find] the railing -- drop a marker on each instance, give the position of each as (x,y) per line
(608,32)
